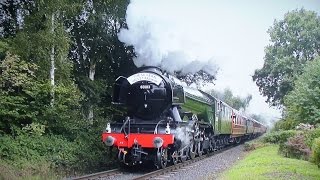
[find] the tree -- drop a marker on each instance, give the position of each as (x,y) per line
(233,101)
(12,13)
(258,117)
(3,50)
(17,78)
(197,78)
(45,41)
(98,55)
(303,103)
(294,42)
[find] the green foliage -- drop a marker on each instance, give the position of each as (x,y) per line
(98,56)
(311,135)
(234,101)
(278,137)
(43,30)
(3,50)
(31,147)
(199,78)
(11,13)
(294,42)
(266,163)
(27,148)
(16,81)
(34,171)
(295,147)
(36,131)
(294,144)
(64,117)
(25,100)
(303,103)
(316,151)
(285,124)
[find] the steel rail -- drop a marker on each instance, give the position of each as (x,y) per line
(99,175)
(178,166)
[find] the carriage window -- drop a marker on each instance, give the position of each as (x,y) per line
(178,96)
(219,106)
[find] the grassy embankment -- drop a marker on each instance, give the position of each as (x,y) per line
(266,163)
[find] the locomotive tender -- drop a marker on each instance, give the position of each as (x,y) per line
(168,123)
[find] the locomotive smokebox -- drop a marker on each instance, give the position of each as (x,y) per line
(146,94)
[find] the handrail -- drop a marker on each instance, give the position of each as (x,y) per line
(124,124)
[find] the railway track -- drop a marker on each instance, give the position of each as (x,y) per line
(100,175)
(163,173)
(157,174)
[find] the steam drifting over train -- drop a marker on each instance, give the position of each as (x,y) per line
(167,123)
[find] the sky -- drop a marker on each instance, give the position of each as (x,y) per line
(226,35)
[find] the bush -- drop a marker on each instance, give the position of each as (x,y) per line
(27,149)
(285,124)
(279,137)
(316,151)
(31,149)
(249,146)
(311,135)
(295,147)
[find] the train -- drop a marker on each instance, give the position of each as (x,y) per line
(167,122)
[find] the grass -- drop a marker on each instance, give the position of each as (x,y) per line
(266,163)
(27,172)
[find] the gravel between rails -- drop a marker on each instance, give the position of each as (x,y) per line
(208,168)
(122,176)
(212,167)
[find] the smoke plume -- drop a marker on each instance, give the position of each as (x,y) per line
(159,41)
(182,133)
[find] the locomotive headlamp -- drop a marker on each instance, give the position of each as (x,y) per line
(157,142)
(109,141)
(108,128)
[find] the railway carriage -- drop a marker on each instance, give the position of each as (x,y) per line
(167,122)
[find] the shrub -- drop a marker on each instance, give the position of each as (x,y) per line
(31,149)
(249,146)
(27,149)
(285,124)
(311,135)
(295,147)
(279,137)
(316,151)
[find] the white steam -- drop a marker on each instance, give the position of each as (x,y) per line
(182,133)
(160,41)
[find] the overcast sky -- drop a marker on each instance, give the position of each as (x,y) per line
(232,33)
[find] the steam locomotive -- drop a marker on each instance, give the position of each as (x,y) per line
(167,122)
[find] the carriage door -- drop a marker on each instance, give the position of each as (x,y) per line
(211,115)
(217,122)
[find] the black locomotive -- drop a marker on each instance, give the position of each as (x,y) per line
(167,122)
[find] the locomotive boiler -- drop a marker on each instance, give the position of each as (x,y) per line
(167,122)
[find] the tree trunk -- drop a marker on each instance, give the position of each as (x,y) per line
(90,115)
(52,60)
(92,72)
